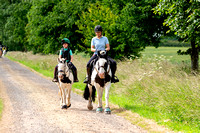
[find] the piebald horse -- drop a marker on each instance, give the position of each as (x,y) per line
(65,81)
(100,80)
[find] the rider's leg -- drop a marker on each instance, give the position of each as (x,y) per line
(55,79)
(113,66)
(75,73)
(88,76)
(89,66)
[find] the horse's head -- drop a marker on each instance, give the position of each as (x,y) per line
(102,67)
(63,68)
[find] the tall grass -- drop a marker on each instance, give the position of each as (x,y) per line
(159,90)
(157,86)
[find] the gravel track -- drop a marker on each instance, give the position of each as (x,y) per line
(31,104)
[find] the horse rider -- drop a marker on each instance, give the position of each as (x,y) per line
(100,42)
(66,53)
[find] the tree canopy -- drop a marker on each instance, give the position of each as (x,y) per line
(38,26)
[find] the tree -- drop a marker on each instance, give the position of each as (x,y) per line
(129,29)
(97,15)
(49,22)
(184,20)
(13,20)
(138,27)
(39,31)
(3,17)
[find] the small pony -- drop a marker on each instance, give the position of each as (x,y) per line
(65,81)
(100,80)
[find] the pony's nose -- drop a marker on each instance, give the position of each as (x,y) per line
(60,76)
(102,75)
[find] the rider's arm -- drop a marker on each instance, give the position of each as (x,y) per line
(107,47)
(60,54)
(59,57)
(71,58)
(92,48)
(70,52)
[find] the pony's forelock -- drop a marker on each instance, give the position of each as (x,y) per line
(101,60)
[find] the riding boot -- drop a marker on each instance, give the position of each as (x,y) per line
(75,76)
(114,78)
(88,77)
(55,79)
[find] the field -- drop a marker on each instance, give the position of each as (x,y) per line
(158,86)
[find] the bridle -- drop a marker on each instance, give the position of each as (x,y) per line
(106,72)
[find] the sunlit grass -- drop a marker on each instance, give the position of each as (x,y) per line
(1,107)
(157,86)
(169,52)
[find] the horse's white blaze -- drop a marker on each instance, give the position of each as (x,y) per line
(101,69)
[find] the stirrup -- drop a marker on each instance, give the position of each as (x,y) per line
(85,80)
(114,79)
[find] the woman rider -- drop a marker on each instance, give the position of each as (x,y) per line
(100,42)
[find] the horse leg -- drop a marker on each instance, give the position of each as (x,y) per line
(99,97)
(107,108)
(69,96)
(60,94)
(90,106)
(63,98)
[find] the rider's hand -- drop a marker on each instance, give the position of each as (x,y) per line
(70,63)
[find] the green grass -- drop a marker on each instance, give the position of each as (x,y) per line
(157,86)
(169,52)
(1,107)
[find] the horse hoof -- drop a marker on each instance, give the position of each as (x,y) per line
(107,110)
(64,107)
(99,110)
(69,106)
(90,107)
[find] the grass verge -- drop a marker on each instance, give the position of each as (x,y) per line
(158,86)
(1,107)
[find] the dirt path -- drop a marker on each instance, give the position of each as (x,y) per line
(31,104)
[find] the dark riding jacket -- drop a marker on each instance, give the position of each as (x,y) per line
(66,54)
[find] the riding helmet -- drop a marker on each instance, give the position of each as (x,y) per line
(98,28)
(65,40)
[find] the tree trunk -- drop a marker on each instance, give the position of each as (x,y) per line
(194,56)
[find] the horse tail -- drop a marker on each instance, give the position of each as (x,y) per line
(93,93)
(86,93)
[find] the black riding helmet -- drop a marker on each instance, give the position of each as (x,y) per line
(98,28)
